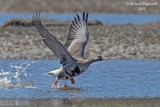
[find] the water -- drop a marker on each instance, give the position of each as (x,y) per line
(105,18)
(107,79)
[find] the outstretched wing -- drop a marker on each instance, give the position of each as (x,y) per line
(77,35)
(57,48)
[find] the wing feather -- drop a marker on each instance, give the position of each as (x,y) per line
(77,35)
(57,48)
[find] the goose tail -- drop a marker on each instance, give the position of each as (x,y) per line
(49,74)
(54,72)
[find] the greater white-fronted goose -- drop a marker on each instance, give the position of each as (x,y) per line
(71,54)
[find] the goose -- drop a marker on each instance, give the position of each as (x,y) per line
(72,52)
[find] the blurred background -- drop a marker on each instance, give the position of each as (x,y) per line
(70,6)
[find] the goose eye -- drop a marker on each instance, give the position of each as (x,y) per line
(102,57)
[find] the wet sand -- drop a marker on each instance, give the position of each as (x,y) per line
(70,6)
(78,102)
(20,40)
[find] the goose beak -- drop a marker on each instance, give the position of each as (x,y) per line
(105,58)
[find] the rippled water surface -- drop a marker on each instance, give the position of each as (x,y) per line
(107,79)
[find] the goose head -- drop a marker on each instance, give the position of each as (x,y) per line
(98,58)
(102,58)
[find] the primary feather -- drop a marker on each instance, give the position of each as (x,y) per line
(57,48)
(77,36)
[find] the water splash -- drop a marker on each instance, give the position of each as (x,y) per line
(17,76)
(68,88)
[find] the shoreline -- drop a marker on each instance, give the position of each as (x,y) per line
(20,40)
(76,102)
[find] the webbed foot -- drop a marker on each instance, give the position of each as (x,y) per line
(72,81)
(54,84)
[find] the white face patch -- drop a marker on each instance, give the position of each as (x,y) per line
(102,57)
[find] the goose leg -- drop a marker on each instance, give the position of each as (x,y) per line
(72,81)
(53,85)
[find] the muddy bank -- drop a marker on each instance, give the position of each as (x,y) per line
(126,41)
(29,23)
(70,6)
(78,102)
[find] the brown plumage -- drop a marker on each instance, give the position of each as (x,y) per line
(71,54)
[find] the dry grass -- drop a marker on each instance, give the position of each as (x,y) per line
(77,102)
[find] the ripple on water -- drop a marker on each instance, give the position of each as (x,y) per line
(106,79)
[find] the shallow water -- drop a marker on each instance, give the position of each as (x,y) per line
(107,79)
(105,18)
